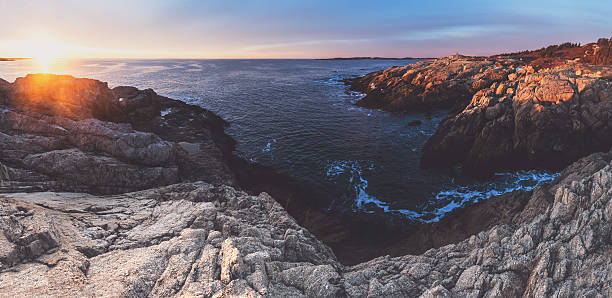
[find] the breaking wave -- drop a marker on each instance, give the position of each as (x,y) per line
(351,172)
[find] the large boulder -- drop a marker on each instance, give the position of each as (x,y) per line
(78,98)
(141,108)
(541,120)
(65,96)
(602,52)
(78,135)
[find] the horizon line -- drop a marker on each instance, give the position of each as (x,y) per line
(238,58)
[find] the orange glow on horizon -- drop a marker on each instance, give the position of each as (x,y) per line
(44,63)
(43,51)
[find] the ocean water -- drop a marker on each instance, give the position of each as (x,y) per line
(296,116)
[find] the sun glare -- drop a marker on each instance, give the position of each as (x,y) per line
(43,51)
(43,62)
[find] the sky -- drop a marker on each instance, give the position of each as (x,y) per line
(293,29)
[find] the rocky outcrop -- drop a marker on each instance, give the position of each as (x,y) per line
(432,84)
(602,52)
(196,239)
(533,109)
(64,96)
(78,135)
(546,120)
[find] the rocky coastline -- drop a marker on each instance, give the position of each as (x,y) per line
(61,133)
(372,58)
(196,239)
(122,192)
(539,109)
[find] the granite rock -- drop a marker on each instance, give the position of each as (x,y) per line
(195,239)
(548,119)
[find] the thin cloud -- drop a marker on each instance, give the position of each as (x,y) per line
(460,31)
(260,47)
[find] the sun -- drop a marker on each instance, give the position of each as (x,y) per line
(43,51)
(44,61)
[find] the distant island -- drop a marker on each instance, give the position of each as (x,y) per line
(13,59)
(373,58)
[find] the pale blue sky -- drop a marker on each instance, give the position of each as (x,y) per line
(290,28)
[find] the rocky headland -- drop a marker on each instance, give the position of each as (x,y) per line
(62,133)
(535,109)
(541,120)
(122,192)
(430,84)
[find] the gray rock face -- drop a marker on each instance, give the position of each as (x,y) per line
(194,239)
(546,119)
(63,133)
(181,240)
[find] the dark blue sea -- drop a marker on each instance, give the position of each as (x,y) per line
(296,116)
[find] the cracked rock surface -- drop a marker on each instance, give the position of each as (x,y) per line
(546,119)
(195,239)
(184,239)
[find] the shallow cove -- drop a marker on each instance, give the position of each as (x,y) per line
(297,117)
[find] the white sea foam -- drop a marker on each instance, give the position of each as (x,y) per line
(353,171)
(355,96)
(333,81)
(425,133)
(166,112)
(268,147)
(449,200)
(505,183)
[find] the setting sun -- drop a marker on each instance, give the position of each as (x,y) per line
(44,63)
(43,51)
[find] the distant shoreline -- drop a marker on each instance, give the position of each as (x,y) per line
(373,58)
(13,59)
